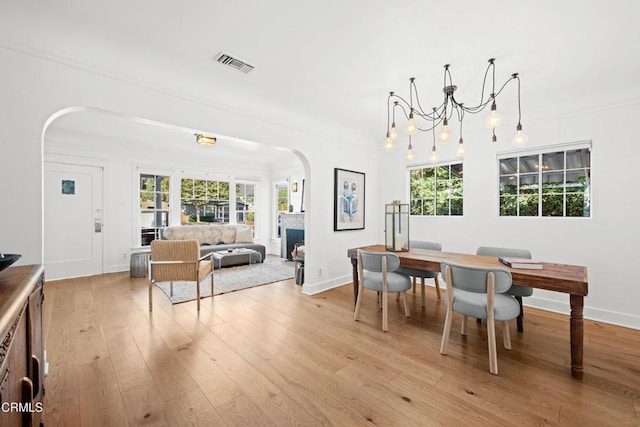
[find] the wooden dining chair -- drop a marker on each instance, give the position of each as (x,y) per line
(517,291)
(178,260)
(377,271)
(479,292)
(423,274)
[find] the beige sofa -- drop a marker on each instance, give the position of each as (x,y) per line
(217,237)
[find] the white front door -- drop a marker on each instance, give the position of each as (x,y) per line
(72,220)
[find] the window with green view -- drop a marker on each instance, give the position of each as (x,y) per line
(204,201)
(554,183)
(436,190)
(245,204)
(154,207)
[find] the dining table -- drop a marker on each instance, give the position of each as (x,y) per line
(563,278)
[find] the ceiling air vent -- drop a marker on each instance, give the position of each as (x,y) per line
(234,63)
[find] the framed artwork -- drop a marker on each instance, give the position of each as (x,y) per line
(68,186)
(348,200)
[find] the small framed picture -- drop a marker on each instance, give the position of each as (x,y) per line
(348,200)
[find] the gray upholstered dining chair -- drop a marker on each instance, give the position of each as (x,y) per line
(479,292)
(377,271)
(423,274)
(517,291)
(178,260)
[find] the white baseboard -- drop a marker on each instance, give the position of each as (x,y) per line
(316,288)
(591,313)
(118,268)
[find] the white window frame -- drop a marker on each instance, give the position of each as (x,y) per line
(435,207)
(256,185)
(276,199)
(137,223)
(208,179)
(540,151)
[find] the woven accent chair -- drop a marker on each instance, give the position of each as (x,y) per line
(178,260)
(479,292)
(516,291)
(381,277)
(423,274)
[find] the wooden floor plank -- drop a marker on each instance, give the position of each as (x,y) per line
(271,355)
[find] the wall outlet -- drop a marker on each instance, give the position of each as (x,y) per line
(319,272)
(124,255)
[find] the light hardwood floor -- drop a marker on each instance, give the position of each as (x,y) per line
(273,356)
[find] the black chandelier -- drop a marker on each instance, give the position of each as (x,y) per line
(442,115)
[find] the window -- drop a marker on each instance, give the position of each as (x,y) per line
(436,190)
(204,201)
(245,204)
(554,183)
(282,204)
(154,207)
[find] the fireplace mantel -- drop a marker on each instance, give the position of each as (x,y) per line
(293,221)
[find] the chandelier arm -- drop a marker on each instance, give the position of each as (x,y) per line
(388,112)
(395,95)
(459,111)
(428,116)
(471,110)
(447,73)
(517,77)
(451,110)
(395,104)
(493,77)
(420,110)
(412,88)
(484,83)
(433,132)
(478,108)
(435,124)
(403,110)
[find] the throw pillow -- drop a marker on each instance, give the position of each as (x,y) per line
(244,235)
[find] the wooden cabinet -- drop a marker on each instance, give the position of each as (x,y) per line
(21,346)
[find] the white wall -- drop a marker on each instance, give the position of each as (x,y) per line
(606,243)
(35,88)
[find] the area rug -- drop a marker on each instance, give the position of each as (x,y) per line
(232,279)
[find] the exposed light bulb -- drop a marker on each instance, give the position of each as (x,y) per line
(460,149)
(393,134)
(434,156)
(519,139)
(444,135)
(410,155)
(411,127)
(388,145)
(494,119)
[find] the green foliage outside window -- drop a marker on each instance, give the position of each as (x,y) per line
(564,190)
(245,203)
(283,198)
(436,190)
(204,201)
(154,206)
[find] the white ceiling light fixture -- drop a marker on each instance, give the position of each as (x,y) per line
(421,120)
(205,139)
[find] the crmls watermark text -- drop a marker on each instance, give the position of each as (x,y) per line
(21,407)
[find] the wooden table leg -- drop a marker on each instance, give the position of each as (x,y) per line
(354,264)
(577,335)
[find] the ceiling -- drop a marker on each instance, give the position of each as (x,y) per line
(335,61)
